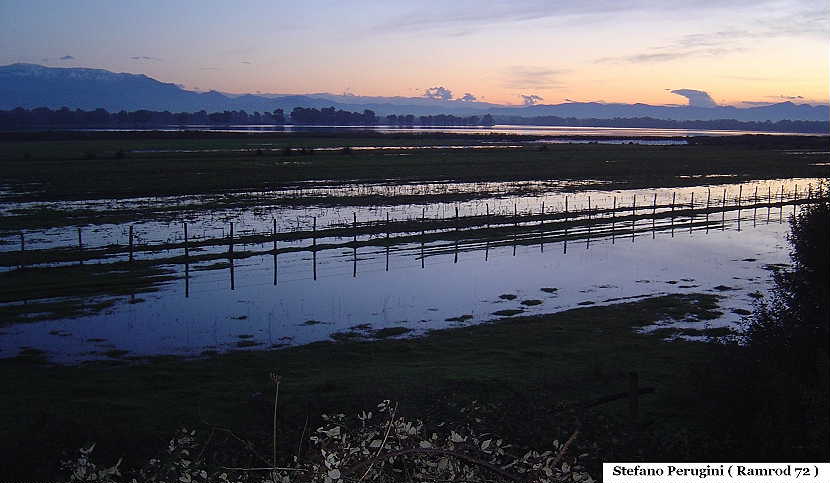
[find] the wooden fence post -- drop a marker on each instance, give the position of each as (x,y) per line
(22,251)
(633,216)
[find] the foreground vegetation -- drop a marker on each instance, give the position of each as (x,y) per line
(772,395)
(542,368)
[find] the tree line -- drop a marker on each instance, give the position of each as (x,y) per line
(329,116)
(65,117)
(44,117)
(818,127)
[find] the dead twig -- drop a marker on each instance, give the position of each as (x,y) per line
(382,444)
(565,447)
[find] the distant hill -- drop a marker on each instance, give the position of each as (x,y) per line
(30,86)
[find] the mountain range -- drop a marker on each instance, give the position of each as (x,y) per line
(30,86)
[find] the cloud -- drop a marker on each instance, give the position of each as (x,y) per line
(467,97)
(750,78)
(696,98)
(145,57)
(714,39)
(656,55)
(804,18)
(788,98)
(463,15)
(209,68)
(808,21)
(438,93)
(531,100)
(55,59)
(528,77)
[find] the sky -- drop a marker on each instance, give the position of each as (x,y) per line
(740,52)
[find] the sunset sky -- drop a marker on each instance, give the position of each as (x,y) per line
(739,51)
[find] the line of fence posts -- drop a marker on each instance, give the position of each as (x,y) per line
(80,247)
(723,211)
(653,216)
(740,194)
(423,232)
(588,240)
(795,197)
(515,228)
(457,224)
(692,208)
(230,258)
(755,208)
(455,247)
(673,199)
(781,202)
(186,261)
(387,239)
(354,245)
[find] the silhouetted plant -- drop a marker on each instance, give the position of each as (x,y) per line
(791,329)
(769,395)
(373,446)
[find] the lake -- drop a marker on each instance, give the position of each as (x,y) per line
(562,131)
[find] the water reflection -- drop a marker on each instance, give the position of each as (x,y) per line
(295,292)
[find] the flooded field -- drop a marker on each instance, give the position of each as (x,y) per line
(276,275)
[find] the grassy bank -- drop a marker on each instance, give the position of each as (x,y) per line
(524,367)
(94,169)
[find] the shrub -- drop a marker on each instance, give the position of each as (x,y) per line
(791,329)
(769,395)
(377,446)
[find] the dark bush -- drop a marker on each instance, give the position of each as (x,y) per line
(767,397)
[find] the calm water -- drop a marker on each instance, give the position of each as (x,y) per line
(623,132)
(266,300)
